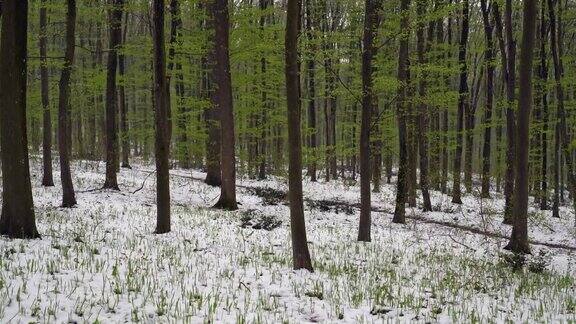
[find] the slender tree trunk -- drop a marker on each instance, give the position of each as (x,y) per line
(445,121)
(115,20)
(300,252)
(161,101)
(401,185)
(562,132)
(371,19)
(68,196)
(462,104)
(261,140)
(124,129)
(488,57)
(175,69)
(510,122)
(17,220)
(212,114)
(224,103)
(543,74)
(311,68)
(423,114)
(47,178)
(519,238)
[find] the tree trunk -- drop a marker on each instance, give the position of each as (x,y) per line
(68,196)
(115,20)
(300,253)
(17,220)
(488,57)
(423,113)
(510,122)
(311,68)
(371,22)
(47,177)
(401,185)
(175,69)
(519,238)
(462,104)
(125,140)
(543,74)
(223,100)
(161,101)
(261,140)
(562,132)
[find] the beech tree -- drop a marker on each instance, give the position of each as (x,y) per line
(161,100)
(300,252)
(519,238)
(403,91)
(462,103)
(371,19)
(223,102)
(112,157)
(64,120)
(17,219)
(47,177)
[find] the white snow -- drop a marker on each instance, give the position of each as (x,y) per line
(100,260)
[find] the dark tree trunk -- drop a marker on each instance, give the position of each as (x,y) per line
(543,74)
(47,178)
(401,185)
(445,122)
(311,68)
(488,57)
(17,220)
(562,132)
(519,238)
(68,196)
(125,140)
(223,100)
(371,19)
(423,113)
(510,122)
(176,69)
(300,252)
(463,102)
(261,140)
(111,99)
(161,101)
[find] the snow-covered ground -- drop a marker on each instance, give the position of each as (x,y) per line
(101,262)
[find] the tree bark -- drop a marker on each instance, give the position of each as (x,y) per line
(300,252)
(510,122)
(47,177)
(371,21)
(68,196)
(462,104)
(175,69)
(311,69)
(519,238)
(562,132)
(17,219)
(488,57)
(161,101)
(115,21)
(423,113)
(122,106)
(223,100)
(543,74)
(401,104)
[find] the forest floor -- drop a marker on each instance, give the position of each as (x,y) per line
(101,262)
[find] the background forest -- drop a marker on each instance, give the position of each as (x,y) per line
(454,117)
